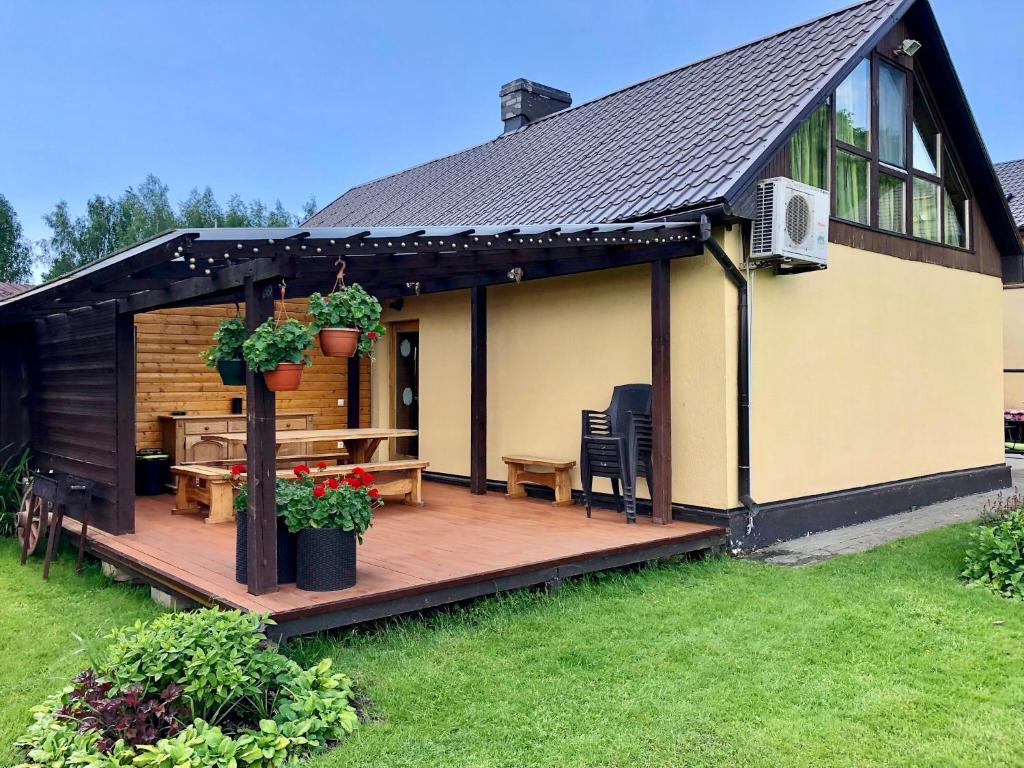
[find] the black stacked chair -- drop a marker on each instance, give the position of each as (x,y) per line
(616,444)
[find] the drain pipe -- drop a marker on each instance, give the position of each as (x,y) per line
(742,368)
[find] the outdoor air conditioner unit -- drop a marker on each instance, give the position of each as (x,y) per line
(791,228)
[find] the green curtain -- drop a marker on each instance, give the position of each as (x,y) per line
(808,149)
(926,209)
(892,198)
(851,187)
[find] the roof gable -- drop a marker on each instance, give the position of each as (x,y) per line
(1011,176)
(673,141)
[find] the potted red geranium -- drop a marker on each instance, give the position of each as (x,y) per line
(287,542)
(329,519)
(347,321)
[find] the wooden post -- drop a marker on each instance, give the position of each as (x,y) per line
(661,391)
(261,460)
(353,392)
(478,391)
(124,405)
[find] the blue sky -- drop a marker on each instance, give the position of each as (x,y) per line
(280,100)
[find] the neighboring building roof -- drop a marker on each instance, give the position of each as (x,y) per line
(1011,176)
(11,289)
(674,141)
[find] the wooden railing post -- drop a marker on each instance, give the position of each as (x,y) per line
(261,459)
(661,391)
(478,391)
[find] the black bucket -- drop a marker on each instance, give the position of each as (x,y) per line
(286,551)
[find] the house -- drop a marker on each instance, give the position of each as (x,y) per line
(584,247)
(1011,176)
(10,289)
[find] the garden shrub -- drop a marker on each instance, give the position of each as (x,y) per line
(995,554)
(191,690)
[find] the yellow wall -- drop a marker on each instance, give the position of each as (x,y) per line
(558,346)
(873,370)
(1013,345)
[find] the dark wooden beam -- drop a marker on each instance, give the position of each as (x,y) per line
(353,392)
(661,391)
(478,391)
(261,460)
(124,410)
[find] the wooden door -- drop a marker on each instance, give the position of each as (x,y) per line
(405,386)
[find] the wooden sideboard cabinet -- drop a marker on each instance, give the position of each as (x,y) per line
(183,436)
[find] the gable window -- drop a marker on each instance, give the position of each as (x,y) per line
(891,168)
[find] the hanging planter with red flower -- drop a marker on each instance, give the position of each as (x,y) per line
(347,319)
(279,350)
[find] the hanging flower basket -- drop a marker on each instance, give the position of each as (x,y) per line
(347,319)
(339,342)
(225,354)
(279,350)
(286,377)
(232,372)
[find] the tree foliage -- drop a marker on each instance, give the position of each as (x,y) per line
(110,224)
(15,250)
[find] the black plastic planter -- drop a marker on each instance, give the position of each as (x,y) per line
(286,548)
(232,372)
(327,559)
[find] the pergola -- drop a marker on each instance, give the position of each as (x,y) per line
(191,267)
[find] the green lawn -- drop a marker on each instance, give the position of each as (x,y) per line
(874,659)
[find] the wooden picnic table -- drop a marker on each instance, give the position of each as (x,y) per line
(361,444)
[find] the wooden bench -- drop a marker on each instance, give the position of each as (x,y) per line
(204,487)
(555,476)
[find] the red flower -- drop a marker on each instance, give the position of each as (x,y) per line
(363,475)
(237,470)
(318,492)
(374,493)
(322,465)
(332,482)
(371,335)
(301,470)
(353,482)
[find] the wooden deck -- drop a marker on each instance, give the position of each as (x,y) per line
(458,546)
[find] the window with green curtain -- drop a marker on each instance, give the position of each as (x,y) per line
(851,187)
(808,149)
(853,107)
(892,115)
(954,205)
(926,135)
(926,209)
(892,203)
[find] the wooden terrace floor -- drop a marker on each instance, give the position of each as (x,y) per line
(458,546)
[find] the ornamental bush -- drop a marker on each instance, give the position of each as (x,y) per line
(191,690)
(995,555)
(273,343)
(227,342)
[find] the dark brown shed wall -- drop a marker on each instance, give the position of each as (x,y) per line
(74,386)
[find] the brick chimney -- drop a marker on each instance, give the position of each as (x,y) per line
(523,101)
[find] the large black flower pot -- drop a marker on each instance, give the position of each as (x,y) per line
(287,543)
(327,559)
(232,372)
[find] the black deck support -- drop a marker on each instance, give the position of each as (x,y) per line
(261,464)
(353,393)
(661,391)
(478,391)
(124,341)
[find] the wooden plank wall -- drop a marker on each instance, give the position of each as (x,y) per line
(172,377)
(74,391)
(16,343)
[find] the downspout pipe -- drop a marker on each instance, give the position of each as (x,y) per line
(742,369)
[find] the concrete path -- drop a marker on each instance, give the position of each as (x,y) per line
(858,538)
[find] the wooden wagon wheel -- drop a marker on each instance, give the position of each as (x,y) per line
(32,522)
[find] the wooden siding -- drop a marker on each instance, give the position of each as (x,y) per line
(74,397)
(172,377)
(15,340)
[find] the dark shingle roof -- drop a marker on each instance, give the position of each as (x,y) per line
(676,140)
(10,289)
(1011,176)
